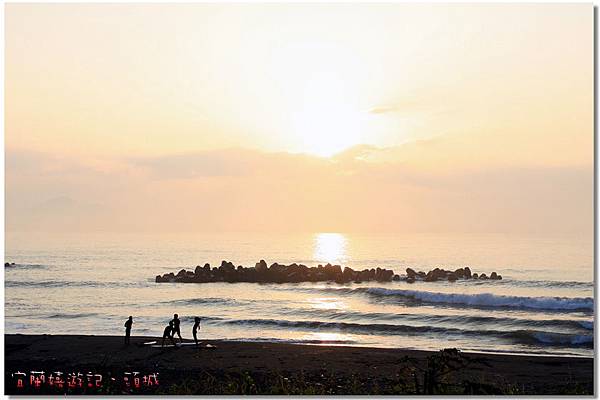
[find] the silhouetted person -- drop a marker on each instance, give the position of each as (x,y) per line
(195,329)
(168,333)
(176,329)
(128,324)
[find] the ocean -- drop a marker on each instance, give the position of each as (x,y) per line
(90,283)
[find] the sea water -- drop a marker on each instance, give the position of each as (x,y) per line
(90,284)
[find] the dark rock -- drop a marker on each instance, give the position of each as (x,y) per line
(475,276)
(332,272)
(494,275)
(348,274)
(261,266)
(436,274)
(410,280)
(452,277)
(387,275)
(468,273)
(431,276)
(280,273)
(483,276)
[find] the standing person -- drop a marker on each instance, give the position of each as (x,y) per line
(168,333)
(176,329)
(195,329)
(128,325)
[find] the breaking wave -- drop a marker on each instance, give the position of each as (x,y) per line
(488,299)
(518,336)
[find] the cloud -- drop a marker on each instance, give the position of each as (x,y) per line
(233,162)
(196,165)
(364,189)
(382,110)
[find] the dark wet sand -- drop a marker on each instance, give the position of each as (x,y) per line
(351,367)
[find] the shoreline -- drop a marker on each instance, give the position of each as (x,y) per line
(325,343)
(232,367)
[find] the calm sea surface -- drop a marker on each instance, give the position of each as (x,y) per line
(89,284)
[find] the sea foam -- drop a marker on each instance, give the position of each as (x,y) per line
(490,300)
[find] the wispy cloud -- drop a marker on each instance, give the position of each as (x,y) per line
(382,110)
(365,189)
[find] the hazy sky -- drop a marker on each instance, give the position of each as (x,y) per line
(350,118)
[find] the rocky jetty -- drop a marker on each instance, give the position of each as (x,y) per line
(440,274)
(295,273)
(277,273)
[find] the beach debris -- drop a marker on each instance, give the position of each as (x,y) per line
(277,273)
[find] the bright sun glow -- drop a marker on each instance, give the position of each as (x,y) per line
(330,248)
(322,80)
(327,129)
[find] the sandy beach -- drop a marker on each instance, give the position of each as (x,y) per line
(363,198)
(275,368)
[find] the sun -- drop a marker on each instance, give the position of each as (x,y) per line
(327,129)
(323,111)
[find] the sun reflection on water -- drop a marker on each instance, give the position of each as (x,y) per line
(327,303)
(329,338)
(330,248)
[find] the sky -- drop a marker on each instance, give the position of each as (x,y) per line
(358,118)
